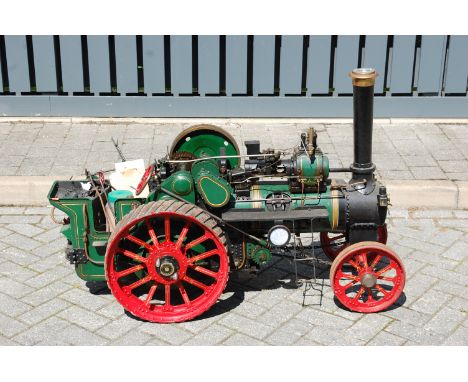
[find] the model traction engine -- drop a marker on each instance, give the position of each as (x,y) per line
(169,254)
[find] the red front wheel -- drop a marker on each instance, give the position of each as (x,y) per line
(333,243)
(167,262)
(367,277)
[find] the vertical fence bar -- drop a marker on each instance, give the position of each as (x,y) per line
(402,64)
(375,56)
(153,64)
(291,65)
(264,65)
(431,64)
(17,60)
(99,66)
(181,64)
(72,63)
(318,65)
(126,64)
(346,60)
(208,65)
(44,63)
(236,65)
(457,65)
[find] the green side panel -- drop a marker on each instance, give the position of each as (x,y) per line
(123,206)
(178,183)
(209,144)
(308,169)
(215,190)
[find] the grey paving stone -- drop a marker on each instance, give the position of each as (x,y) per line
(18,256)
(84,299)
(13,288)
(45,331)
(239,339)
(213,335)
(458,338)
(74,335)
(446,321)
(11,306)
(430,301)
(446,237)
(329,336)
(280,313)
(18,272)
(458,251)
(244,325)
(384,338)
(132,338)
(418,335)
(10,327)
(44,311)
(11,211)
(169,333)
(368,327)
(118,327)
(49,277)
(323,319)
(83,317)
(21,242)
(49,292)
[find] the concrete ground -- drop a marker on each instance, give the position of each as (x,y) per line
(43,302)
(402,149)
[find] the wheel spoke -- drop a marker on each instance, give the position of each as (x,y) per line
(369,295)
(141,243)
(350,284)
(195,242)
(151,294)
(184,294)
(152,234)
(386,278)
(196,283)
(355,265)
(129,271)
(138,283)
(167,295)
(167,228)
(359,293)
(384,270)
(132,255)
(376,261)
(343,275)
(182,235)
(205,271)
(202,256)
(363,258)
(380,289)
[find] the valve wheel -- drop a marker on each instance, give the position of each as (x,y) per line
(367,277)
(167,262)
(144,180)
(332,244)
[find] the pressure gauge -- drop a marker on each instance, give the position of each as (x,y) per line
(279,235)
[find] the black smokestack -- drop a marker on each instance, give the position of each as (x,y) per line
(363,105)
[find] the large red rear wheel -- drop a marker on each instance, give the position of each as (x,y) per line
(167,262)
(367,277)
(333,243)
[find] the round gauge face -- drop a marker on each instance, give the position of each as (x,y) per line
(279,236)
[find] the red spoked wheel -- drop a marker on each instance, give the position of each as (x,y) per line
(367,277)
(333,243)
(144,180)
(167,262)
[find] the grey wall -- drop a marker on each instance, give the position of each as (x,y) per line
(230,76)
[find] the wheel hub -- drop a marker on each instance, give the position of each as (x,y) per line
(368,280)
(167,266)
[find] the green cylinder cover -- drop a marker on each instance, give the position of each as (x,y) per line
(309,169)
(215,191)
(182,183)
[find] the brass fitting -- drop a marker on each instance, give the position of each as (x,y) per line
(363,77)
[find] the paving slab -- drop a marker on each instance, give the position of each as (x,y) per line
(50,305)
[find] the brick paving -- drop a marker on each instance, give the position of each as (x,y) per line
(401,150)
(43,302)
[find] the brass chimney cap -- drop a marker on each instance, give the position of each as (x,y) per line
(363,77)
